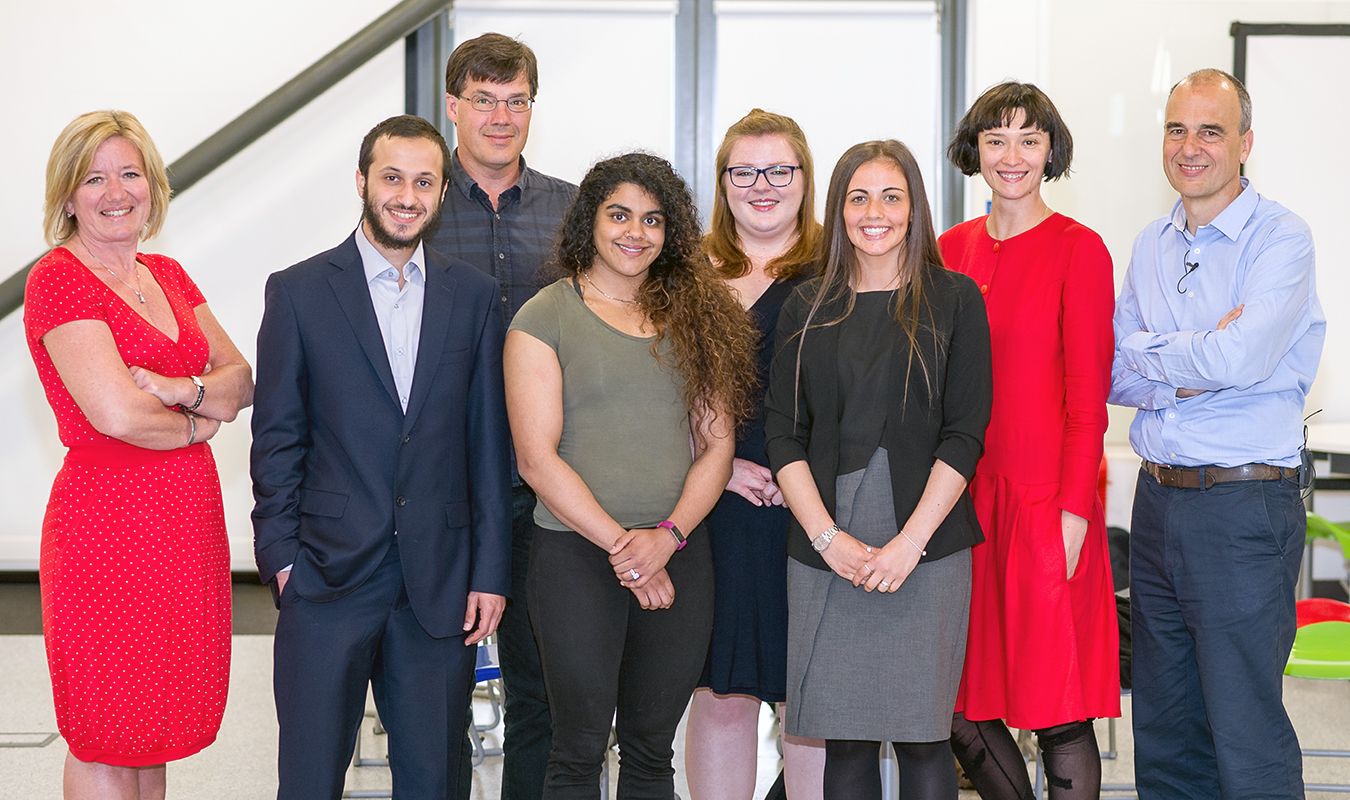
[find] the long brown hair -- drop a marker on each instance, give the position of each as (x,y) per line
(723,243)
(919,260)
(712,342)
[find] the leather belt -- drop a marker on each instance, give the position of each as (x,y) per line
(1205,477)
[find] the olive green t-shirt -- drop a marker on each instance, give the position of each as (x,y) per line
(625,424)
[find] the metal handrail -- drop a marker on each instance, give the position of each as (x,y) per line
(272,110)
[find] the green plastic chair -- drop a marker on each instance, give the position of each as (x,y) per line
(1320,527)
(1322,652)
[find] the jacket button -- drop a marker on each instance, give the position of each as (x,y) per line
(400,501)
(407,438)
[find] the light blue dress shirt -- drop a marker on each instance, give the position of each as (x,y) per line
(1256,372)
(398,311)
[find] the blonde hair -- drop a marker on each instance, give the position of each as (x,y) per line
(73,153)
(723,243)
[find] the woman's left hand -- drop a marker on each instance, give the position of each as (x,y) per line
(167,390)
(891,565)
(1074,529)
(641,550)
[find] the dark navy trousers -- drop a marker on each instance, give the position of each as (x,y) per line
(324,658)
(1212,577)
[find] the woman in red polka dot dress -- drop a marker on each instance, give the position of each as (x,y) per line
(135,562)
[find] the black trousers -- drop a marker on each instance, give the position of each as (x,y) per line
(528,735)
(324,657)
(606,660)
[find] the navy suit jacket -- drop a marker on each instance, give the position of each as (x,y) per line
(338,466)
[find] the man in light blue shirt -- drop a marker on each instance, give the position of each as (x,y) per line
(1218,334)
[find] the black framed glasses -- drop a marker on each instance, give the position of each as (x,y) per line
(486,103)
(778,175)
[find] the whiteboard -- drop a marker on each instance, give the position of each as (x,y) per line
(1296,83)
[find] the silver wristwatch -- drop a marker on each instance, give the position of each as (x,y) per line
(823,540)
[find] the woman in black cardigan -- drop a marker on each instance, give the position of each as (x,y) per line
(875,412)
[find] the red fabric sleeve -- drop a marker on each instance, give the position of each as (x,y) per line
(60,290)
(1088,304)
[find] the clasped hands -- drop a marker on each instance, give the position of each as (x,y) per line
(873,568)
(755,483)
(644,552)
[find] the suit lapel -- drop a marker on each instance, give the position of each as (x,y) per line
(437,311)
(353,294)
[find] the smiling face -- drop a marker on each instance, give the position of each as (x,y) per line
(1013,158)
(763,210)
(630,229)
(1202,148)
(489,143)
(401,192)
(876,213)
(112,202)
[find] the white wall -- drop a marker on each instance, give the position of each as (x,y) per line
(1108,65)
(185,70)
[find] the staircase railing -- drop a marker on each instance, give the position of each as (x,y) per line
(404,21)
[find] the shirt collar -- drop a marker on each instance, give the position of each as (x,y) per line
(375,264)
(1230,221)
(464,184)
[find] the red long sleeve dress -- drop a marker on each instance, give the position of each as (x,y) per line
(1043,648)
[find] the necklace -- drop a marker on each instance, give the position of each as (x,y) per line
(585,276)
(135,269)
(136,289)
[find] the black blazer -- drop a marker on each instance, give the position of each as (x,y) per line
(802,418)
(338,467)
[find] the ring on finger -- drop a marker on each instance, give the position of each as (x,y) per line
(634,574)
(868,567)
(884,584)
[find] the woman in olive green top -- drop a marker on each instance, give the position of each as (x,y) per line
(625,381)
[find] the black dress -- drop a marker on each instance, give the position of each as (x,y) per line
(748,653)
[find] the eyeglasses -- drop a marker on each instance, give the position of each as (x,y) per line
(779,175)
(486,103)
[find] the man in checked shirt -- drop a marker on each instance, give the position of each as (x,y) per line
(500,216)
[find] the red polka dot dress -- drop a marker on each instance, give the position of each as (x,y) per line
(135,564)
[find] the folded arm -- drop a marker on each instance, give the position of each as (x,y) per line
(1274,295)
(92,370)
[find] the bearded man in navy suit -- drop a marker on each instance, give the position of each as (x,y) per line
(381,479)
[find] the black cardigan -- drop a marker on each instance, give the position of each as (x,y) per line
(802,417)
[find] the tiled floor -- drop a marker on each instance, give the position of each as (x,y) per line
(241,764)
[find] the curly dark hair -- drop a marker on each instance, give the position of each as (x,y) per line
(712,342)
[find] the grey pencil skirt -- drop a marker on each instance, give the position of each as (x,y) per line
(878,666)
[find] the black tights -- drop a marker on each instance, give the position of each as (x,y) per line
(852,770)
(988,754)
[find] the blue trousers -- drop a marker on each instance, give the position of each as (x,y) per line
(324,657)
(1212,577)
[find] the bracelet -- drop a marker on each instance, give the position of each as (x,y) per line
(674,529)
(192,428)
(914,544)
(201,393)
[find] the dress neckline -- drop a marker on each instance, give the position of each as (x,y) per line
(140,259)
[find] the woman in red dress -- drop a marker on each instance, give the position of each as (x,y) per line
(135,564)
(1042,652)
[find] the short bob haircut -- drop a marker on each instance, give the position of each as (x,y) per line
(404,126)
(996,108)
(723,243)
(494,58)
(73,153)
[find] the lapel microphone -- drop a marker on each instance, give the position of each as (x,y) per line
(1190,266)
